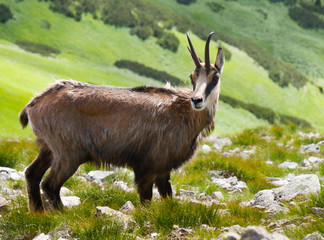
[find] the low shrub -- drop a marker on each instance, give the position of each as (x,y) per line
(305,18)
(169,41)
(258,111)
(214,6)
(45,24)
(40,48)
(311,7)
(119,14)
(5,13)
(148,72)
(286,2)
(186,2)
(142,32)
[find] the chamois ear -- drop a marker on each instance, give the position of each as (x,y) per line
(220,59)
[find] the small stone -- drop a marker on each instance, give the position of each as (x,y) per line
(42,236)
(127,208)
(314,236)
(288,164)
(70,201)
(269,162)
(260,233)
(101,175)
(60,233)
(306,163)
(217,195)
(309,135)
(154,235)
(3,203)
(205,148)
(186,193)
(126,220)
(65,191)
(318,211)
(121,184)
(310,148)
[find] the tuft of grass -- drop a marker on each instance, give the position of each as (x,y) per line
(13,152)
(248,137)
(163,215)
(111,197)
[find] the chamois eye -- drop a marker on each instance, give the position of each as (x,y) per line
(216,77)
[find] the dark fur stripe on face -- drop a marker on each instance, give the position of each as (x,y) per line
(211,85)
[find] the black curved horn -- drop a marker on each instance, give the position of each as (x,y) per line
(207,60)
(193,53)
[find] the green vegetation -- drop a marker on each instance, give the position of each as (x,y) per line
(5,13)
(148,72)
(215,7)
(42,49)
(186,2)
(305,18)
(161,216)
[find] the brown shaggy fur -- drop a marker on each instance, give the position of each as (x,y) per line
(151,130)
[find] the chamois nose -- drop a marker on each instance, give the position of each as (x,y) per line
(196,101)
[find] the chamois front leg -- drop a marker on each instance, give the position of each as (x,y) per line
(144,184)
(164,186)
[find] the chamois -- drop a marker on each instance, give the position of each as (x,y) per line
(151,130)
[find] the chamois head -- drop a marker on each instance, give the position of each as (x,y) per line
(206,77)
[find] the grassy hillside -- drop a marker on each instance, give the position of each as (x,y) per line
(266,24)
(89,49)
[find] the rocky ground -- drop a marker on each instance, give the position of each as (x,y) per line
(303,179)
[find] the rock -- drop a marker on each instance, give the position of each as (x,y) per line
(60,234)
(293,186)
(3,203)
(269,162)
(186,193)
(180,233)
(100,175)
(228,236)
(314,236)
(315,160)
(310,148)
(229,184)
(205,148)
(10,173)
(288,164)
(120,184)
(260,233)
(318,211)
(127,208)
(70,201)
(217,195)
(306,163)
(266,198)
(65,191)
(125,220)
(231,233)
(154,235)
(42,236)
(207,228)
(309,135)
(247,153)
(303,184)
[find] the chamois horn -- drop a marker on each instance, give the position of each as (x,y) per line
(193,53)
(207,60)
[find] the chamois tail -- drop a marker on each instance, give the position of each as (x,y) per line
(23,117)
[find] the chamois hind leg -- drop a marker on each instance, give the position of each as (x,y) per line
(61,170)
(164,186)
(34,174)
(144,184)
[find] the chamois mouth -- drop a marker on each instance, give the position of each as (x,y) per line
(197,107)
